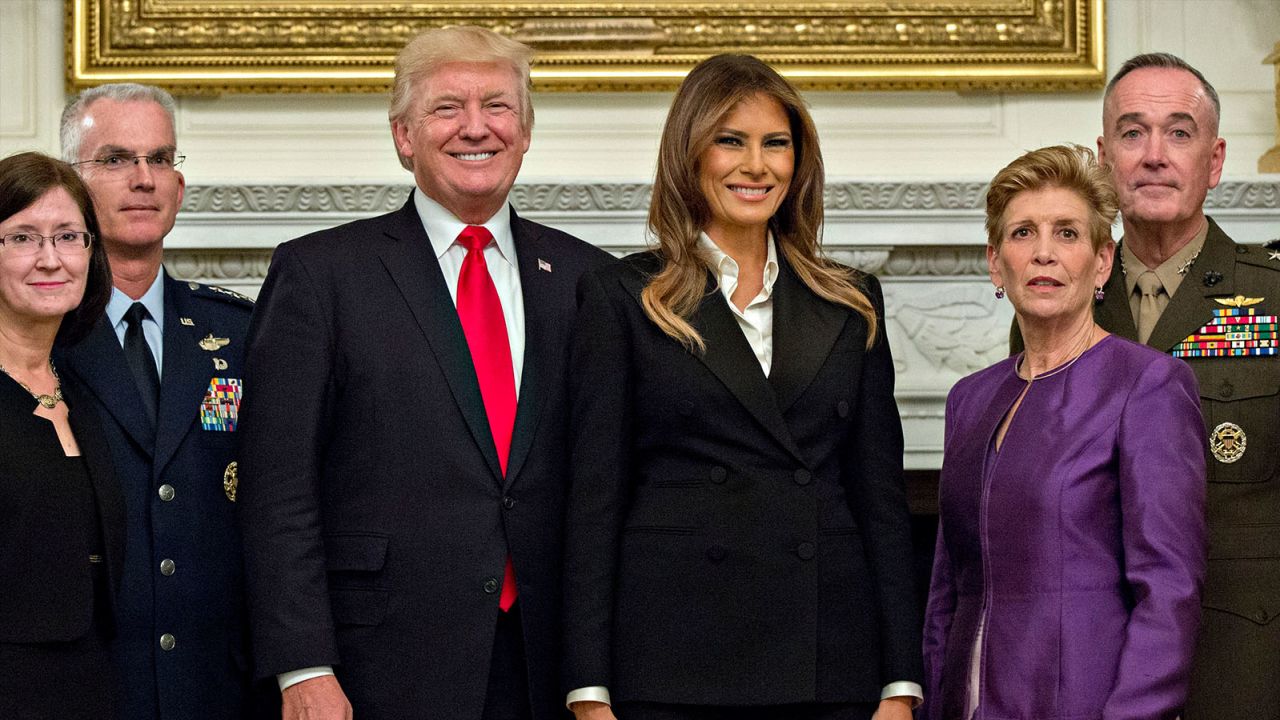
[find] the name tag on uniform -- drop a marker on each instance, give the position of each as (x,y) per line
(221,405)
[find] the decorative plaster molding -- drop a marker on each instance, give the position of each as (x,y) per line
(218,265)
(946,196)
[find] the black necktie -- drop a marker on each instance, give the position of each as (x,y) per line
(142,363)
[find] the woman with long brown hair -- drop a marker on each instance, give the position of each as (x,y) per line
(738,539)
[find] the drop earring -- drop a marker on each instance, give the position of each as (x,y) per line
(999,292)
(1099,294)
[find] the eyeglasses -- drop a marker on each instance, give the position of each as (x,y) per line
(25,244)
(119,162)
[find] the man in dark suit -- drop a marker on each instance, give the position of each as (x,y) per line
(163,370)
(403,436)
(1179,282)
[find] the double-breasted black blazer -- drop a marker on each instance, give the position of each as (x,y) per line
(734,539)
(376,519)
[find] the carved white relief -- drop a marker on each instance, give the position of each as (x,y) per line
(960,328)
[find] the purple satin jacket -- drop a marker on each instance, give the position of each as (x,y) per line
(1081,542)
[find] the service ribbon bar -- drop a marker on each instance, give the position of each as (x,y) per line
(1233,332)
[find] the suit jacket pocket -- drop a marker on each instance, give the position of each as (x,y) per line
(355,552)
(1240,411)
(358,606)
(1259,604)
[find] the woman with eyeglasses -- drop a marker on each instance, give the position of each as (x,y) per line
(61,511)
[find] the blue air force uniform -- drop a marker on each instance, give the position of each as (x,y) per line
(181,641)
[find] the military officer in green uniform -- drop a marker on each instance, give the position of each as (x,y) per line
(1181,285)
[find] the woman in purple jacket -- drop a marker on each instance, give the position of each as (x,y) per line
(1071,541)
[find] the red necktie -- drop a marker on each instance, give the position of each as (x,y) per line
(486,330)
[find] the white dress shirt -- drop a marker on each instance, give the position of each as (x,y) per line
(500,257)
(152,327)
(756,322)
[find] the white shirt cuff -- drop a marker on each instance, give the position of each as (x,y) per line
(595,693)
(904,688)
(293,677)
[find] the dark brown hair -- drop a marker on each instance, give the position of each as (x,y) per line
(678,210)
(24,179)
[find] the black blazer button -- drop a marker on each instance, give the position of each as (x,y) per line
(718,474)
(806,550)
(715,553)
(508,502)
(803,477)
(842,409)
(491,586)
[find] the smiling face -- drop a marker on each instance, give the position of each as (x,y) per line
(1045,259)
(745,172)
(136,206)
(1160,139)
(47,285)
(464,137)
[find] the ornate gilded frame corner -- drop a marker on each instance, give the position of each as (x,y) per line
(217,46)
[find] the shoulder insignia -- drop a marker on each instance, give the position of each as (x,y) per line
(220,293)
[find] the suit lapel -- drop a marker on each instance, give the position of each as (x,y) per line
(1192,305)
(98,361)
(730,357)
(185,380)
(407,255)
(537,287)
(106,489)
(805,328)
(1113,314)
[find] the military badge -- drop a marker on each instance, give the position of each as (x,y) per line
(219,364)
(212,343)
(221,405)
(231,480)
(1227,442)
(1236,330)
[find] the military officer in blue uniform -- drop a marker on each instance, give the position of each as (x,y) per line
(164,369)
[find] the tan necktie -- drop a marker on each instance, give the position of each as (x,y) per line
(1148,308)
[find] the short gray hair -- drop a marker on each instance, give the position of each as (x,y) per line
(426,52)
(1165,61)
(71,132)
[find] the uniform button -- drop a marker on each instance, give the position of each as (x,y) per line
(167,642)
(491,586)
(803,477)
(1261,616)
(167,567)
(842,409)
(166,492)
(1226,389)
(508,502)
(715,553)
(805,550)
(718,474)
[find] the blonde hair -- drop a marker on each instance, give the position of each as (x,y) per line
(425,53)
(1070,167)
(678,210)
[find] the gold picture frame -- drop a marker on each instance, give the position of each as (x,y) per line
(221,46)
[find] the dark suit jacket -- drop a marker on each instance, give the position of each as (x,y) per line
(732,539)
(1238,657)
(376,520)
(206,674)
(44,566)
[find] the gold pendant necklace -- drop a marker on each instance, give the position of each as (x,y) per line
(48,401)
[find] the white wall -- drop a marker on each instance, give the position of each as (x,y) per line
(906,170)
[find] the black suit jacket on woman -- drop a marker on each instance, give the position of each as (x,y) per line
(48,591)
(735,539)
